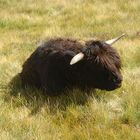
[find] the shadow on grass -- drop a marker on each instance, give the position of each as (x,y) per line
(35,99)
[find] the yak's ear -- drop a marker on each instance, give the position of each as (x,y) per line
(77,58)
(110,42)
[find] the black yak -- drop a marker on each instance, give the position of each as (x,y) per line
(61,64)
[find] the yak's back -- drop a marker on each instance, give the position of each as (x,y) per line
(61,44)
(42,58)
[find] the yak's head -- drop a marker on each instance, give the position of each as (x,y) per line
(102,63)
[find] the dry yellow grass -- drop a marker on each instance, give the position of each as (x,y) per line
(28,114)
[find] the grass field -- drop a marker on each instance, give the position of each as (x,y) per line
(30,115)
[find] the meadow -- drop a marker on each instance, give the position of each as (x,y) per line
(31,115)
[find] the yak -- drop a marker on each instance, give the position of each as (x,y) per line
(61,63)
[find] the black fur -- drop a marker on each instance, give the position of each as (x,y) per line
(49,69)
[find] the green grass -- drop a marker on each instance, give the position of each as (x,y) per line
(29,114)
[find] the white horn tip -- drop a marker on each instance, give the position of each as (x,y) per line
(76,58)
(123,34)
(110,42)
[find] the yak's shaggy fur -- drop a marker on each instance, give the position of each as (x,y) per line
(49,69)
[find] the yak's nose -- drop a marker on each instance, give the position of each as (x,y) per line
(119,84)
(118,81)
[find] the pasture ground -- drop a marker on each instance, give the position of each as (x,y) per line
(28,114)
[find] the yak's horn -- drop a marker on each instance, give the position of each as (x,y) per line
(110,42)
(77,58)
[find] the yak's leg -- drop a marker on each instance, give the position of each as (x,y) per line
(52,82)
(52,76)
